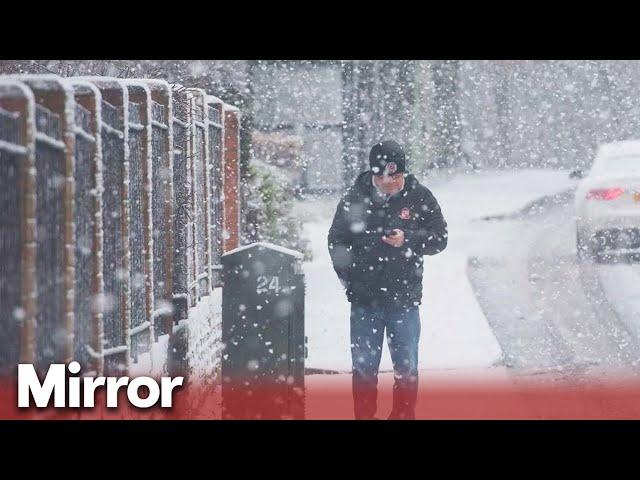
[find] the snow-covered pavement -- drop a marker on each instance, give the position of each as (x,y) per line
(455,332)
(621,284)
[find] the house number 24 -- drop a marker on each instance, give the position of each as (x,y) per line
(268,283)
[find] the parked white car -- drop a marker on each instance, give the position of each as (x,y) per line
(607,204)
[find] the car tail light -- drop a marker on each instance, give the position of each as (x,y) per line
(604,193)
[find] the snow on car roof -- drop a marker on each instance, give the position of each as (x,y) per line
(626,148)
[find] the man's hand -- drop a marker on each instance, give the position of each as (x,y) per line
(395,240)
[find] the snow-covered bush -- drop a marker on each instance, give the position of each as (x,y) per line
(268,208)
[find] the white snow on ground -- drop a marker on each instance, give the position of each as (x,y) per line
(455,333)
(621,285)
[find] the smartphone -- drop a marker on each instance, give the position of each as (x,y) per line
(390,233)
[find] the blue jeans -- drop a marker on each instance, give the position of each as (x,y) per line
(368,325)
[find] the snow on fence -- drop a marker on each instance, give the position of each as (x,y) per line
(200,177)
(162,187)
(183,273)
(139,219)
(17,225)
(216,184)
(88,225)
(231,168)
(115,300)
(55,258)
(115,208)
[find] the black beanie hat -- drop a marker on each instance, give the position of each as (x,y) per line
(387,155)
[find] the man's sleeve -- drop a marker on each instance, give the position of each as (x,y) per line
(339,240)
(431,235)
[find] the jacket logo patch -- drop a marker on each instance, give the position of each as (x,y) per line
(404,213)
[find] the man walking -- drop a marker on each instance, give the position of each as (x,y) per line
(382,227)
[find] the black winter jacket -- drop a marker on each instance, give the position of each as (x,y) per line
(373,272)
